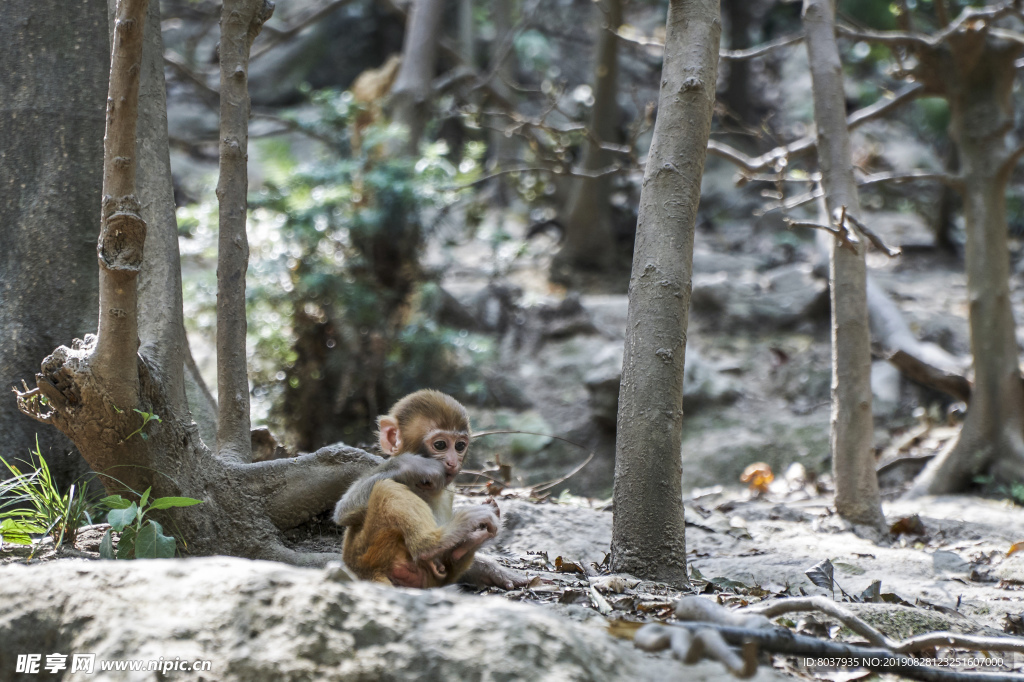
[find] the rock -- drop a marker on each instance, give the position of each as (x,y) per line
(576,533)
(261,621)
(780,298)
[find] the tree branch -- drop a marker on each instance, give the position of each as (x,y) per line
(759,50)
(919,371)
(873,237)
(122,229)
(240,23)
(809,143)
(298,488)
(277,36)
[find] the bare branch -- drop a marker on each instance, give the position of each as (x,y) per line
(873,237)
(921,372)
(30,403)
(842,233)
(883,105)
(916,40)
(759,50)
(724,55)
(556,170)
(952,181)
(889,38)
(174,60)
(917,643)
(276,36)
(809,143)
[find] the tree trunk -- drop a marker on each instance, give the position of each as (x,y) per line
(502,148)
(411,94)
(738,97)
(852,432)
(977,75)
(589,239)
(51,125)
(245,506)
(648,533)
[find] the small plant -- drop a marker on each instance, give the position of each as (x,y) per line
(146,418)
(141,537)
(30,504)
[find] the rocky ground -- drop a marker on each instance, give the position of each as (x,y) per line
(948,570)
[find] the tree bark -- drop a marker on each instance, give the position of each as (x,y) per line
(502,148)
(852,430)
(240,23)
(411,94)
(648,533)
(976,73)
(51,124)
(589,239)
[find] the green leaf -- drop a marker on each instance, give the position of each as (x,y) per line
(107,545)
(126,544)
(144,436)
(17,532)
(168,502)
(115,502)
(151,543)
(145,496)
(119,518)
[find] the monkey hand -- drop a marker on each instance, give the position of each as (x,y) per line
(422,474)
(485,517)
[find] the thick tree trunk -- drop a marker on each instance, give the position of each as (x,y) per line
(51,127)
(589,240)
(852,432)
(411,94)
(245,506)
(648,537)
(977,73)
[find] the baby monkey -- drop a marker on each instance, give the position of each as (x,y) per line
(400,526)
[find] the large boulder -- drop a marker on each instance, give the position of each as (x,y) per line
(262,621)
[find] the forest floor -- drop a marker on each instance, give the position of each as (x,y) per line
(948,569)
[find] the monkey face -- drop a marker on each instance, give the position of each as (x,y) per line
(449,447)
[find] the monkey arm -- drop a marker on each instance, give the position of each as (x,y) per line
(469,528)
(419,473)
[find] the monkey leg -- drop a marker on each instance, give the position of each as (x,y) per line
(397,523)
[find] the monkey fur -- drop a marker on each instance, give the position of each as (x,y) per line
(400,526)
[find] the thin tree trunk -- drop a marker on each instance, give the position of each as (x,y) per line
(852,430)
(51,174)
(502,148)
(589,241)
(240,23)
(122,229)
(648,533)
(467,34)
(978,74)
(738,97)
(411,94)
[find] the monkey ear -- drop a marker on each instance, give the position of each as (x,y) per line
(390,436)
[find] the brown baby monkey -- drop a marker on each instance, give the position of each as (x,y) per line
(400,525)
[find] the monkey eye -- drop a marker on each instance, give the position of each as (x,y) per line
(440,445)
(460,446)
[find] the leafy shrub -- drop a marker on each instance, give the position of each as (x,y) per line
(141,537)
